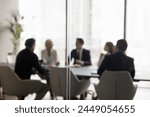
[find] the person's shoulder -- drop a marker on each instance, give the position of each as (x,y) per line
(21,52)
(86,50)
(54,51)
(108,56)
(43,51)
(33,55)
(130,58)
(118,54)
(74,50)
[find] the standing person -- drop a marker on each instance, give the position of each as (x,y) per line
(27,63)
(109,48)
(118,61)
(80,55)
(49,55)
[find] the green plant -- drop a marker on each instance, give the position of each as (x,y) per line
(15,28)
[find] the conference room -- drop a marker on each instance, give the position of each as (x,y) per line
(77,33)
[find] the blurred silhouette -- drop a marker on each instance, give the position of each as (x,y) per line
(27,63)
(49,55)
(118,61)
(109,48)
(80,55)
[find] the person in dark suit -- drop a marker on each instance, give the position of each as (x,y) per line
(27,63)
(80,55)
(118,61)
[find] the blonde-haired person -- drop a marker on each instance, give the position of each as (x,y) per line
(49,55)
(109,48)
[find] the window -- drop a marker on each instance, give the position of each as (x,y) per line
(138,36)
(107,24)
(96,21)
(43,20)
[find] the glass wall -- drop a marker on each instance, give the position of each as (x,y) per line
(138,36)
(45,20)
(96,21)
(107,24)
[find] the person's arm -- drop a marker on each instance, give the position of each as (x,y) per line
(37,65)
(55,58)
(101,58)
(103,66)
(42,57)
(72,55)
(132,69)
(88,61)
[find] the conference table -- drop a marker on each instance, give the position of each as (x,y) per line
(86,71)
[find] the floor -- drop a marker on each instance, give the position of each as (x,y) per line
(142,93)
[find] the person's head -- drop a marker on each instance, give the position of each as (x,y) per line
(30,44)
(121,45)
(79,43)
(48,44)
(109,47)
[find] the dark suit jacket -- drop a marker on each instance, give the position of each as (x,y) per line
(117,62)
(25,62)
(86,58)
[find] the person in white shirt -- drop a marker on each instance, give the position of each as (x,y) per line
(49,55)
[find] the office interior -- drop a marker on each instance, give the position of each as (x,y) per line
(96,21)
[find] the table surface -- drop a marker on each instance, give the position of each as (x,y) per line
(88,71)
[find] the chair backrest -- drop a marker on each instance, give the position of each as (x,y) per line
(115,85)
(59,80)
(8,78)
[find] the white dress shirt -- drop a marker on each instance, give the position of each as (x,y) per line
(80,53)
(49,58)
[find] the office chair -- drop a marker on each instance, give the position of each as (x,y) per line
(13,85)
(59,80)
(115,85)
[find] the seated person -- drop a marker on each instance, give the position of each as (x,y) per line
(49,55)
(109,48)
(27,62)
(118,61)
(80,55)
